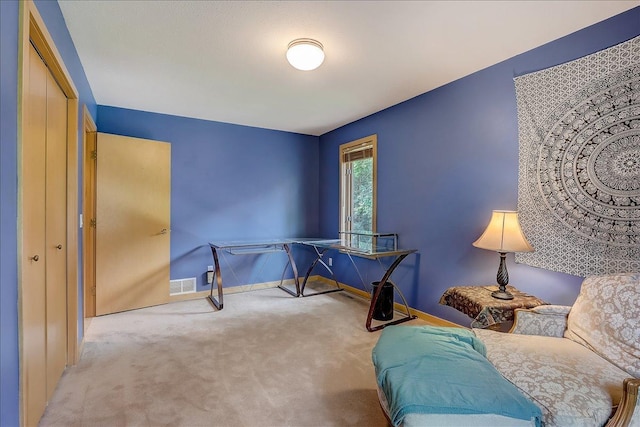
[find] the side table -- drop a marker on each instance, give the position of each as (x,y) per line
(485,310)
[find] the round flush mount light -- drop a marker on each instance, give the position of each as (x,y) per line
(305,54)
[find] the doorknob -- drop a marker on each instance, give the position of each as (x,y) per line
(35,258)
(59,247)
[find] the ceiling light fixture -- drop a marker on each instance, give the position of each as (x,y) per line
(305,54)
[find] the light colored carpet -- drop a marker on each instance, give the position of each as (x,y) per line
(267,359)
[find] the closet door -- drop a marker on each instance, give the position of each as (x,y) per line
(33,241)
(56,233)
(44,215)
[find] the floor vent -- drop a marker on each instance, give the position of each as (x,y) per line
(182,286)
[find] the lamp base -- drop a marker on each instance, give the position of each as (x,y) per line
(503,279)
(502,294)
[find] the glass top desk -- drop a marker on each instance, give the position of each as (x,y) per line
(250,247)
(364,245)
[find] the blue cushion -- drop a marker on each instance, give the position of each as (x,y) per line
(427,369)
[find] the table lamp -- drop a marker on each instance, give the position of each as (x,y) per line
(503,234)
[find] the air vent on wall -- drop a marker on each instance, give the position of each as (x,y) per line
(182,286)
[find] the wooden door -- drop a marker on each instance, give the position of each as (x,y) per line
(133,178)
(44,215)
(56,233)
(89,211)
(33,241)
(47,245)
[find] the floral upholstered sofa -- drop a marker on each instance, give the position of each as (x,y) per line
(579,365)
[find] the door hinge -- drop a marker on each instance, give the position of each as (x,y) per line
(94,154)
(92,223)
(93,291)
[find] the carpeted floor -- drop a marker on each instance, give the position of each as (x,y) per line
(267,359)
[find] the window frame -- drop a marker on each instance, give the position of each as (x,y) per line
(368,142)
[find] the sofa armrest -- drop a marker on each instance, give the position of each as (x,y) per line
(628,412)
(546,320)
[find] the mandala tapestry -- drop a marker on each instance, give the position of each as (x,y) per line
(579,163)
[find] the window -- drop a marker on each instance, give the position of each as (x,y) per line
(358,185)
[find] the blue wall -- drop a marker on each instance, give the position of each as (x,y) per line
(9,374)
(9,19)
(229,182)
(447,158)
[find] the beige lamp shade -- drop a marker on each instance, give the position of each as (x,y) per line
(503,234)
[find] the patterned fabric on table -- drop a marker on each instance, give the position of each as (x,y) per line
(605,317)
(477,303)
(545,320)
(570,383)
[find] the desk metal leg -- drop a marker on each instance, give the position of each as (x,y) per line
(217,277)
(376,295)
(295,273)
(313,264)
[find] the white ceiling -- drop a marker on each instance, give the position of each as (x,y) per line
(225,60)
